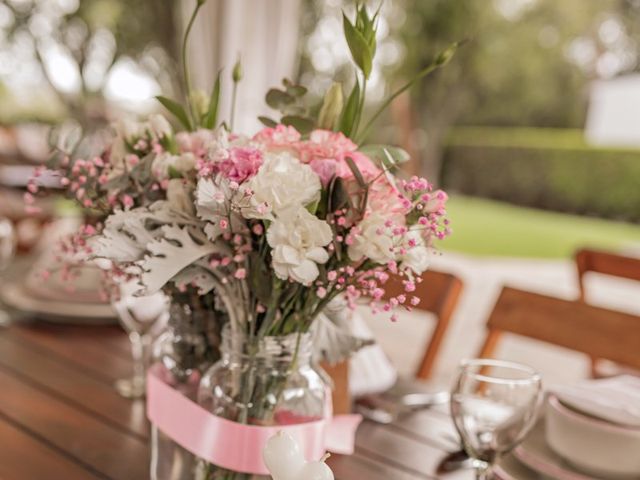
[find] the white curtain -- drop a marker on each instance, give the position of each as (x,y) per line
(265,33)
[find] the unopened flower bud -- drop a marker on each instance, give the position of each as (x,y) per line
(331,107)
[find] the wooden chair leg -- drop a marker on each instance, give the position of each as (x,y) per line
(428,360)
(490,344)
(341,396)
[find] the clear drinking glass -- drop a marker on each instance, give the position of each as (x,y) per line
(7,252)
(143,318)
(494,404)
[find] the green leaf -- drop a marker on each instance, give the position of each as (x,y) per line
(174,173)
(359,47)
(296,90)
(278,99)
(350,111)
(338,195)
(176,109)
(356,172)
(302,124)
(386,156)
(211,117)
(312,208)
(268,122)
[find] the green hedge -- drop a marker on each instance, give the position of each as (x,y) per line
(544,168)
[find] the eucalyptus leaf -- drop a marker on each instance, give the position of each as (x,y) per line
(387,157)
(176,109)
(296,90)
(278,99)
(268,122)
(304,125)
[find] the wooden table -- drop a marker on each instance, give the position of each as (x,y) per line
(60,417)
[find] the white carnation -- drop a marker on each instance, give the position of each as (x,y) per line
(297,238)
(281,183)
(373,240)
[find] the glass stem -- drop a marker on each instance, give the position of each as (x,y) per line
(140,351)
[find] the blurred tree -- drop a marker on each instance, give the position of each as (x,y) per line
(74,45)
(528,62)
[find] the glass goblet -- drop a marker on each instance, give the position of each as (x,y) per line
(7,252)
(494,404)
(143,318)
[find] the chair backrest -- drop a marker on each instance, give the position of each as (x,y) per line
(439,293)
(595,331)
(607,263)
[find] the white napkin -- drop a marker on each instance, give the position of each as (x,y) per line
(370,370)
(615,399)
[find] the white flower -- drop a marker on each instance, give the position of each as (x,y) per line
(417,256)
(163,164)
(373,240)
(282,182)
(179,196)
(297,238)
(129,130)
(160,126)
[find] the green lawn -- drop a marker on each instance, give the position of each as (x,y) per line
(489,228)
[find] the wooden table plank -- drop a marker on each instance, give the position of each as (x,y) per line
(82,351)
(24,457)
(91,442)
(75,387)
(355,467)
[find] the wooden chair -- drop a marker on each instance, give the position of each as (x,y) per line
(595,331)
(607,263)
(439,293)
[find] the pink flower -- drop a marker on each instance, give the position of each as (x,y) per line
(325,168)
(241,273)
(325,144)
(241,164)
(281,136)
(436,202)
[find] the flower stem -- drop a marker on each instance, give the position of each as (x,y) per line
(185,69)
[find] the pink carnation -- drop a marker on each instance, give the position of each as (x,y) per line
(325,168)
(325,144)
(277,137)
(241,164)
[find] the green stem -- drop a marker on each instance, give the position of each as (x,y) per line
(234,94)
(363,97)
(185,69)
(392,97)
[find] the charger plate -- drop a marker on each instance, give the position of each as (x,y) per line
(16,296)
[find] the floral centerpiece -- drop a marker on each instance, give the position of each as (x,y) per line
(282,230)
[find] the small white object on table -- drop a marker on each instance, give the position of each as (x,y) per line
(285,461)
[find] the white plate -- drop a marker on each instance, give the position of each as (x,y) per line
(15,296)
(536,454)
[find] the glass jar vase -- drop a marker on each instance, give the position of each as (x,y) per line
(268,382)
(188,347)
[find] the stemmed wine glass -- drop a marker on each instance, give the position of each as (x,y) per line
(494,404)
(143,318)
(7,252)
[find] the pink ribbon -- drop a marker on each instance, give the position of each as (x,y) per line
(236,446)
